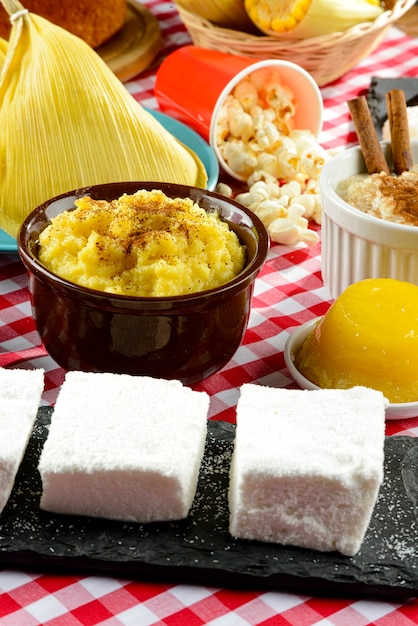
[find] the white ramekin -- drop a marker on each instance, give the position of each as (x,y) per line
(356,245)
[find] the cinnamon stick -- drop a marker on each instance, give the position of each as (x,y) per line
(366,133)
(399,131)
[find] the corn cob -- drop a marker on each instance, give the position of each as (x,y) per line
(310,18)
(225,13)
(68,122)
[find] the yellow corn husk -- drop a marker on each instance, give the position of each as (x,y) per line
(3,50)
(67,122)
(310,18)
(224,13)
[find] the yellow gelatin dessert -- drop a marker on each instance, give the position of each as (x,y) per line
(368,337)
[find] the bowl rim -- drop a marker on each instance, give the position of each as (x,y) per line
(394,411)
(254,266)
(343,208)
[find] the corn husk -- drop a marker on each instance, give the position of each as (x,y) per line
(68,122)
(310,18)
(225,13)
(3,50)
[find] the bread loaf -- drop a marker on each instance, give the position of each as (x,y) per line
(95,22)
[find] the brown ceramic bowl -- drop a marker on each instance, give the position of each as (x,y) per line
(186,337)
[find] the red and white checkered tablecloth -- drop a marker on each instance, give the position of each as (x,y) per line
(288,292)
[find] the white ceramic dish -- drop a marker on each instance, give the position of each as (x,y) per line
(295,341)
(356,245)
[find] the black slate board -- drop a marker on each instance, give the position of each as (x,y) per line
(376,96)
(200,548)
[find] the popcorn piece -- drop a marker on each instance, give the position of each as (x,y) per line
(241,125)
(311,201)
(270,211)
(239,157)
(267,136)
(283,211)
(293,228)
(246,94)
(267,163)
(224,189)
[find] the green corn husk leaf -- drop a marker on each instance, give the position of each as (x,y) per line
(67,122)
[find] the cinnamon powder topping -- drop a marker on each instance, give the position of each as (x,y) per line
(393,198)
(404,192)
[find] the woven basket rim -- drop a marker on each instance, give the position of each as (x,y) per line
(383,21)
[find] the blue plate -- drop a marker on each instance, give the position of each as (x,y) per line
(7,243)
(184,134)
(193,141)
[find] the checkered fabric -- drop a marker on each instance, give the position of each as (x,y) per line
(288,292)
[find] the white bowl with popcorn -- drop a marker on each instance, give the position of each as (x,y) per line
(356,245)
(264,131)
(257,112)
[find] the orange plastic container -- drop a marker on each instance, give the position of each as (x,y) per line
(191,79)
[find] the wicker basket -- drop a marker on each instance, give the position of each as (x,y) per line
(326,58)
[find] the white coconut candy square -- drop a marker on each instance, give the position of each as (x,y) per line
(123,447)
(20,395)
(307,466)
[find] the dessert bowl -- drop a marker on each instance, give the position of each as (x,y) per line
(293,344)
(187,337)
(356,245)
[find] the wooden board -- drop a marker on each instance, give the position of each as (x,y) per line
(136,45)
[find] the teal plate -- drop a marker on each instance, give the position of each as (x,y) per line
(7,243)
(193,141)
(184,134)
